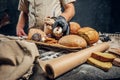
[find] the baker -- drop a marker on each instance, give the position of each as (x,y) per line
(35,11)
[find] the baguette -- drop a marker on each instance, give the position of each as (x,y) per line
(102,65)
(105,57)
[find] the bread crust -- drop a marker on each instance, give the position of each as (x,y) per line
(73,41)
(105,57)
(89,34)
(102,65)
(74,27)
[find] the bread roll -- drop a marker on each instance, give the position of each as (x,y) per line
(102,65)
(48,22)
(74,27)
(33,31)
(89,34)
(73,41)
(57,32)
(48,29)
(106,57)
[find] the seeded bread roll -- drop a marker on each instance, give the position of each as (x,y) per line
(73,41)
(106,57)
(102,65)
(89,34)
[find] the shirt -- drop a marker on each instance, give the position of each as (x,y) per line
(37,10)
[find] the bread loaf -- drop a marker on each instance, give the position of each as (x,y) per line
(115,51)
(74,27)
(48,22)
(48,29)
(102,65)
(106,57)
(73,41)
(33,31)
(116,62)
(89,34)
(57,32)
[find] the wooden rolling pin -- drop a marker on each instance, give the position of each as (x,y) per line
(57,66)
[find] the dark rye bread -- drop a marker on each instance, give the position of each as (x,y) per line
(102,65)
(105,57)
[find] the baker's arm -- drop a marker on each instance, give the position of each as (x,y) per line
(62,20)
(69,11)
(21,24)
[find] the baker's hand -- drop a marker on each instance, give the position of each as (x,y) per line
(20,31)
(61,21)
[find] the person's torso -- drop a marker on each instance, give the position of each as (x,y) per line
(39,9)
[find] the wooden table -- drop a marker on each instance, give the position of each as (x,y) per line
(84,71)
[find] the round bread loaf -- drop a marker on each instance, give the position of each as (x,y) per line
(89,34)
(73,41)
(74,27)
(33,31)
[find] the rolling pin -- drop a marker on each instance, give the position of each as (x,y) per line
(58,66)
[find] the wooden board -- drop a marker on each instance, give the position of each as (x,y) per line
(54,46)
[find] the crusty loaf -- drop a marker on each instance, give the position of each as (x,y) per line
(33,31)
(74,27)
(116,62)
(89,34)
(73,41)
(103,56)
(102,65)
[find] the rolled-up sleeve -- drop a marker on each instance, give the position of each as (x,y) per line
(23,6)
(67,1)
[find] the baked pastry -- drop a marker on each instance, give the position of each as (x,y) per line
(89,34)
(34,32)
(57,32)
(74,27)
(102,65)
(73,41)
(48,22)
(106,57)
(48,30)
(51,41)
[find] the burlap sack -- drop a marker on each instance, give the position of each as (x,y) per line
(16,57)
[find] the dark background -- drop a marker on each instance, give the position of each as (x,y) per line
(102,15)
